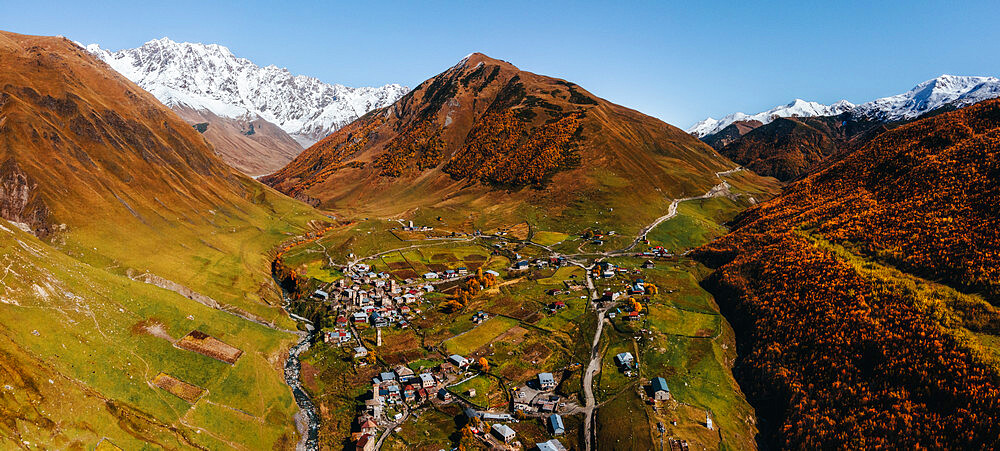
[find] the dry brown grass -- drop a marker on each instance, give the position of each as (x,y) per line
(204,344)
(177,387)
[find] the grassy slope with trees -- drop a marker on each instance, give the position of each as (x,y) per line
(842,343)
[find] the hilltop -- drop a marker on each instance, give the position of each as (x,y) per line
(487,136)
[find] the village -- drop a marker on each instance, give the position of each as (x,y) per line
(374,303)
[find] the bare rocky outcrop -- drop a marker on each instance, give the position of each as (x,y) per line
(20,200)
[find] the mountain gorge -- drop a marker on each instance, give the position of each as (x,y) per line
(210,78)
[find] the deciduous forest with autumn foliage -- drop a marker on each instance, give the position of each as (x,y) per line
(503,150)
(834,355)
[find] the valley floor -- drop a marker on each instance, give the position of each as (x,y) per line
(555,302)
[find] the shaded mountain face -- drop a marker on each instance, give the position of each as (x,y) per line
(795,108)
(731,133)
(788,148)
(486,133)
(868,291)
(254,146)
(784,149)
(793,140)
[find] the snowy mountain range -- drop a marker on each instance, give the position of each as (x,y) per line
(209,77)
(796,108)
(946,90)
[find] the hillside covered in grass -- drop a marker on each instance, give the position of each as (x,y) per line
(864,298)
(98,167)
(111,196)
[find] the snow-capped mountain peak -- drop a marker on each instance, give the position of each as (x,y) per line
(211,77)
(795,108)
(946,90)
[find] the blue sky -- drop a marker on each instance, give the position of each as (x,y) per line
(678,61)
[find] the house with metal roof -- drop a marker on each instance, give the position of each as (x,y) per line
(660,390)
(503,432)
(556,423)
(546,381)
(624,359)
(551,445)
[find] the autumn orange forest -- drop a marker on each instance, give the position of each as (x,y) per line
(840,357)
(640,226)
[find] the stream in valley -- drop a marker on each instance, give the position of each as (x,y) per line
(293,373)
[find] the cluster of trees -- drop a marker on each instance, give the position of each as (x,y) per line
(832,358)
(465,293)
(502,150)
(418,145)
(634,305)
(290,282)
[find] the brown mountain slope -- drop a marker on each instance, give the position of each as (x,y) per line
(864,297)
(788,148)
(256,147)
(785,148)
(97,165)
(486,135)
(125,195)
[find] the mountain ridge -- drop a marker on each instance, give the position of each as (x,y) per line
(943,91)
(211,77)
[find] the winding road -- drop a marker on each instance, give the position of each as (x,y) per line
(594,365)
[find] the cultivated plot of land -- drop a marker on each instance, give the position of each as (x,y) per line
(209,346)
(480,336)
(177,387)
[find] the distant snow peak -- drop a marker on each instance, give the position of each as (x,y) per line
(795,108)
(946,90)
(210,77)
